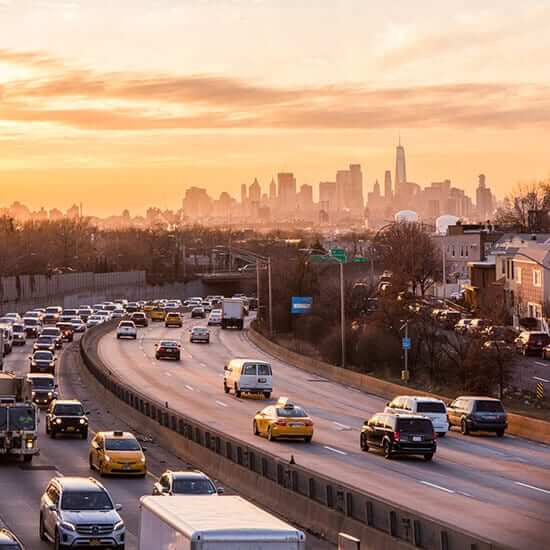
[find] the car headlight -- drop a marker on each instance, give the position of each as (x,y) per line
(50,394)
(142,460)
(29,443)
(82,421)
(58,421)
(68,526)
(107,458)
(119,526)
(33,393)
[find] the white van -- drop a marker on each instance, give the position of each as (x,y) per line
(433,408)
(7,332)
(248,376)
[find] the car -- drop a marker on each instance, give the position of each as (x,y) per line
(449,318)
(42,361)
(206,305)
(34,314)
(248,376)
(70,312)
(198,311)
(199,334)
(148,307)
(126,329)
(19,334)
(139,319)
(477,413)
(478,325)
(433,408)
(215,317)
(44,388)
(7,336)
(398,434)
(173,319)
(94,320)
(186,482)
(168,349)
(55,333)
(532,342)
(462,326)
(284,419)
(132,307)
(78,325)
(33,327)
(7,321)
(117,452)
(500,333)
(15,317)
(8,540)
(104,314)
(172,305)
(118,313)
(84,313)
(66,416)
(67,330)
(79,511)
(44,343)
(158,314)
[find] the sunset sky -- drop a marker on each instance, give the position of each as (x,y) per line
(125,103)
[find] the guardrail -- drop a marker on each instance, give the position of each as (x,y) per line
(306,498)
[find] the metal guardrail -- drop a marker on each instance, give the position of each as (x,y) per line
(369,511)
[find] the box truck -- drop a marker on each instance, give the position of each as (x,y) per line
(194,522)
(232,313)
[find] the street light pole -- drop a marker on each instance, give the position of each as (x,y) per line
(270,297)
(342,315)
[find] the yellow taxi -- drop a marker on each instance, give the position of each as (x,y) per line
(158,314)
(284,419)
(117,453)
(148,307)
(173,319)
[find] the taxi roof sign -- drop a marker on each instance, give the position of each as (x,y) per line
(285,402)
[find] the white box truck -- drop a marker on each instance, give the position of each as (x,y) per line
(190,522)
(232,313)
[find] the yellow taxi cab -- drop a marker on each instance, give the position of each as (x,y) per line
(173,319)
(158,314)
(284,419)
(117,453)
(148,307)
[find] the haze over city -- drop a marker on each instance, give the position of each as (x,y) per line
(128,104)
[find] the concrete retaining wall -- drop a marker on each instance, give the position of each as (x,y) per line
(522,426)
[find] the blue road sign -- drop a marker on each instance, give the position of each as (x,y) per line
(301,305)
(406,343)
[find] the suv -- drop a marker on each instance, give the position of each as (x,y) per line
(431,407)
(531,342)
(477,414)
(187,482)
(126,329)
(66,416)
(44,388)
(139,319)
(78,511)
(399,435)
(8,541)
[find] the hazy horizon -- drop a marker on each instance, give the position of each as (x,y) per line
(126,104)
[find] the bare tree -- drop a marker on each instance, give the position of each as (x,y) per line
(524,197)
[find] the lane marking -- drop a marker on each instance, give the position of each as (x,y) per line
(335,450)
(540,379)
(221,404)
(168,373)
(450,491)
(189,387)
(541,364)
(464,494)
(546,491)
(342,426)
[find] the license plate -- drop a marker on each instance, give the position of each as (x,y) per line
(417,438)
(126,467)
(262,380)
(296,425)
(95,542)
(70,428)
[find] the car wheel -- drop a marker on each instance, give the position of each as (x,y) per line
(387,449)
(57,542)
(428,457)
(27,458)
(464,427)
(47,429)
(364,444)
(237,391)
(270,436)
(225,388)
(85,434)
(500,433)
(90,462)
(255,428)
(41,529)
(441,434)
(267,394)
(308,438)
(52,434)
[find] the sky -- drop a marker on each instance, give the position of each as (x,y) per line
(127,103)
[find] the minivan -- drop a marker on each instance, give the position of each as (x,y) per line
(478,414)
(248,376)
(431,407)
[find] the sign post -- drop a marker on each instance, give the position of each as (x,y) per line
(540,391)
(301,305)
(406,345)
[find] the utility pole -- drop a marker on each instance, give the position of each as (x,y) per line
(342,315)
(444,271)
(270,297)
(258,286)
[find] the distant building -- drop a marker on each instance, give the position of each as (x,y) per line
(356,201)
(286,191)
(197,203)
(485,202)
(327,196)
(272,190)
(254,192)
(400,168)
(388,193)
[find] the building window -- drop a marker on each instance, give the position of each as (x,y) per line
(518,275)
(537,277)
(503,264)
(453,251)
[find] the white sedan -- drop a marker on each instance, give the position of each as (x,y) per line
(126,329)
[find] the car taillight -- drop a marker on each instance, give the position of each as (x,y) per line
(396,436)
(281,422)
(434,435)
(308,423)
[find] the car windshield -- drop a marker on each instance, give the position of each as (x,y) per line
(18,328)
(291,412)
(43,356)
(489,406)
(69,410)
(121,444)
(539,339)
(431,407)
(193,487)
(52,310)
(86,500)
(415,425)
(22,417)
(167,344)
(138,315)
(31,322)
(51,332)
(44,340)
(42,383)
(127,324)
(200,330)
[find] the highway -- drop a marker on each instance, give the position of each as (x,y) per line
(21,485)
(497,488)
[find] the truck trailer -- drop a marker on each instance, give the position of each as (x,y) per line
(194,522)
(233,313)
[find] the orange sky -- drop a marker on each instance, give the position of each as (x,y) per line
(126,104)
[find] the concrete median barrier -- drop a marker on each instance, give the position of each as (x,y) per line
(519,425)
(312,501)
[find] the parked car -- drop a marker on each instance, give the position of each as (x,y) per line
(472,414)
(186,482)
(463,326)
(126,329)
(449,318)
(532,343)
(168,349)
(500,333)
(433,408)
(478,325)
(398,434)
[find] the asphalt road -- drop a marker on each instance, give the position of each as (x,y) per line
(497,488)
(21,486)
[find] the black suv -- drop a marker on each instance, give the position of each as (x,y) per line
(67,417)
(399,435)
(484,414)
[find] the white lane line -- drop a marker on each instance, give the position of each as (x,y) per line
(189,387)
(335,450)
(168,373)
(464,494)
(450,491)
(546,491)
(541,364)
(342,426)
(202,364)
(221,404)
(540,379)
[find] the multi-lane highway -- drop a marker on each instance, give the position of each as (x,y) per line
(498,488)
(21,485)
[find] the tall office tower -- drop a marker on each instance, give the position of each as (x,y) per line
(327,195)
(343,184)
(286,191)
(272,190)
(485,202)
(388,193)
(197,203)
(400,168)
(254,191)
(305,197)
(243,193)
(356,201)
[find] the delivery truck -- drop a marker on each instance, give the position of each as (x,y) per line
(193,522)
(233,313)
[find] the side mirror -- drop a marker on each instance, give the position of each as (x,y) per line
(220,490)
(144,449)
(56,386)
(52,507)
(118,507)
(86,413)
(387,403)
(225,368)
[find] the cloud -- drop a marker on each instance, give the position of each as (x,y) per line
(92,100)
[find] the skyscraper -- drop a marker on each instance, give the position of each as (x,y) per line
(254,191)
(272,190)
(343,184)
(485,203)
(327,195)
(356,201)
(243,193)
(388,193)
(286,187)
(400,168)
